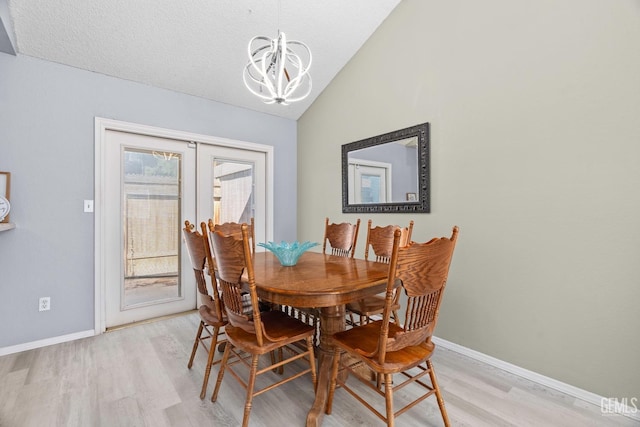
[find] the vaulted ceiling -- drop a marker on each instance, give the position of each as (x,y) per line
(197,47)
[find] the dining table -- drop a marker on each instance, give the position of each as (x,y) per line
(326,282)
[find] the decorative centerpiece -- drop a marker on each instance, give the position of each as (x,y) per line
(288,253)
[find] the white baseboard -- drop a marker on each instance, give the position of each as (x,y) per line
(573,391)
(43,343)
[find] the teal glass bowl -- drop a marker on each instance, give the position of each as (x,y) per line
(288,253)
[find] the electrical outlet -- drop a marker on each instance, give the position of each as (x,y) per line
(45,304)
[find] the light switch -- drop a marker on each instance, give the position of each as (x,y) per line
(88,205)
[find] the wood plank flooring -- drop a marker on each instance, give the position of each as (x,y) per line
(138,376)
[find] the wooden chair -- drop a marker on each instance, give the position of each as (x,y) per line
(212,317)
(342,238)
(254,335)
(233,229)
(380,241)
(387,348)
(309,316)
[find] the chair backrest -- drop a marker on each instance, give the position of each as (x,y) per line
(234,264)
(235,228)
(380,240)
(406,234)
(199,253)
(342,238)
(422,269)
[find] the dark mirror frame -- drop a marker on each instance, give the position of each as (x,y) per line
(422,204)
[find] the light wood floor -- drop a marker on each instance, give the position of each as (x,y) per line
(138,376)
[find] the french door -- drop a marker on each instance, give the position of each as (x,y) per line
(151,182)
(369,181)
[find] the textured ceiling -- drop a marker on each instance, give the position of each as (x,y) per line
(197,47)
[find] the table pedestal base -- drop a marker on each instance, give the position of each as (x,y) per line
(332,320)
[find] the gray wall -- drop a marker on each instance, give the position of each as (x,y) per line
(47,143)
(535,140)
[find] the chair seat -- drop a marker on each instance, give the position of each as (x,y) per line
(278,326)
(370,305)
(362,341)
(208,316)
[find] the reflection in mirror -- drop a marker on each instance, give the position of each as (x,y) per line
(384,173)
(387,173)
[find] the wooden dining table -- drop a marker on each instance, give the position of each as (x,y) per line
(322,281)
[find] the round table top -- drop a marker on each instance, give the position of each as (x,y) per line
(317,280)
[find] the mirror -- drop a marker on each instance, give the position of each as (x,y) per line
(387,173)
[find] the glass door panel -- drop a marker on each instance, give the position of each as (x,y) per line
(151,218)
(233,183)
(232,186)
(371,189)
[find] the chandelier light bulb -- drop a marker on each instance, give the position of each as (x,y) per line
(277,71)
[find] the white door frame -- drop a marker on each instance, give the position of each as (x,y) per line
(103,125)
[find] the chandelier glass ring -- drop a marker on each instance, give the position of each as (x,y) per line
(278,70)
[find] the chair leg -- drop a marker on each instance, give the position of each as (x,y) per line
(333,380)
(212,352)
(274,360)
(388,397)
(395,316)
(351,318)
(316,328)
(223,366)
(312,363)
(436,387)
(250,385)
(195,345)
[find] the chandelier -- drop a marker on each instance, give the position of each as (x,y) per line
(277,71)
